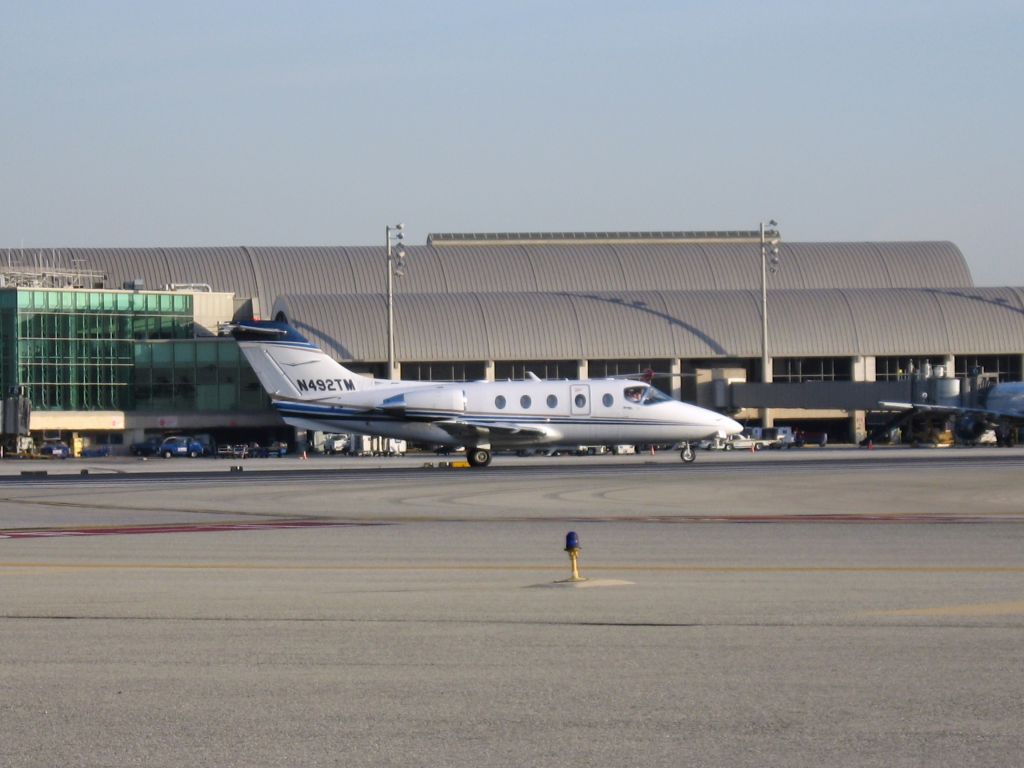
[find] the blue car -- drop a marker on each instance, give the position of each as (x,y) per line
(181,446)
(55,449)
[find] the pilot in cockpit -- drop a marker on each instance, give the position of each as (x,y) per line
(634,394)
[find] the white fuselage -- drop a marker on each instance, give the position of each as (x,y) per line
(556,412)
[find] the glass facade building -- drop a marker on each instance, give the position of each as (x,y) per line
(103,350)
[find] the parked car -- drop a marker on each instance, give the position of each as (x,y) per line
(181,445)
(55,449)
(276,449)
(802,438)
(148,447)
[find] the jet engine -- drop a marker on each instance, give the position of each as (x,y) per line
(430,400)
(970,428)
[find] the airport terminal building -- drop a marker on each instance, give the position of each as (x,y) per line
(110,345)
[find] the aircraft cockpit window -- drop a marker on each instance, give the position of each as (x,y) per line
(525,401)
(634,394)
(655,395)
(499,402)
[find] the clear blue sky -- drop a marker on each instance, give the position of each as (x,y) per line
(266,123)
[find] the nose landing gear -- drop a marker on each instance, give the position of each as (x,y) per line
(688,455)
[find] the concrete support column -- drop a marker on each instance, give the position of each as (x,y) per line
(395,373)
(488,370)
(676,369)
(582,369)
(862,369)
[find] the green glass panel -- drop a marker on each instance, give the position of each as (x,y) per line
(67,300)
(123,302)
(229,352)
(163,354)
(152,302)
(166,304)
(95,301)
(109,301)
(138,302)
(184,353)
(24,299)
(206,352)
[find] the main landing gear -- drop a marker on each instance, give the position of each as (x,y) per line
(687,454)
(478,457)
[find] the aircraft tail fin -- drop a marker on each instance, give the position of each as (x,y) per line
(290,366)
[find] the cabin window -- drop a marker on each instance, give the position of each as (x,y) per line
(607,400)
(525,401)
(552,401)
(581,401)
(499,402)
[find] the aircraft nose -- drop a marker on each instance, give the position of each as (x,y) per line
(729,426)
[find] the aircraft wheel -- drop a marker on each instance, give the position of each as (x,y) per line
(478,457)
(688,455)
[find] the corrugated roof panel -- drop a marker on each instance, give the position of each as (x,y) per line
(522,326)
(124,264)
(560,268)
(925,265)
(736,267)
(471,269)
(646,267)
(713,324)
(425,272)
(809,324)
(303,270)
(982,321)
(832,265)
(223,269)
(441,327)
(697,324)
(898,322)
(629,324)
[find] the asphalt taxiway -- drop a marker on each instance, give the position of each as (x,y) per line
(806,609)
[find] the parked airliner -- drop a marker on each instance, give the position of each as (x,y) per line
(1000,407)
(312,391)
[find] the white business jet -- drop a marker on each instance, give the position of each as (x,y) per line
(312,391)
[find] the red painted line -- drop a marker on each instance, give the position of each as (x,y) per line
(128,530)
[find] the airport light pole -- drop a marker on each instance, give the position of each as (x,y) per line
(393,235)
(769,262)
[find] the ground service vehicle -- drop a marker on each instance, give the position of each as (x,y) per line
(181,445)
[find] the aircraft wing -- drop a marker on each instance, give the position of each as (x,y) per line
(953,409)
(476,428)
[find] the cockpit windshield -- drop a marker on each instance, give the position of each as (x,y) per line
(655,395)
(644,394)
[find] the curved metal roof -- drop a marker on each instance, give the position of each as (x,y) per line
(665,324)
(266,273)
